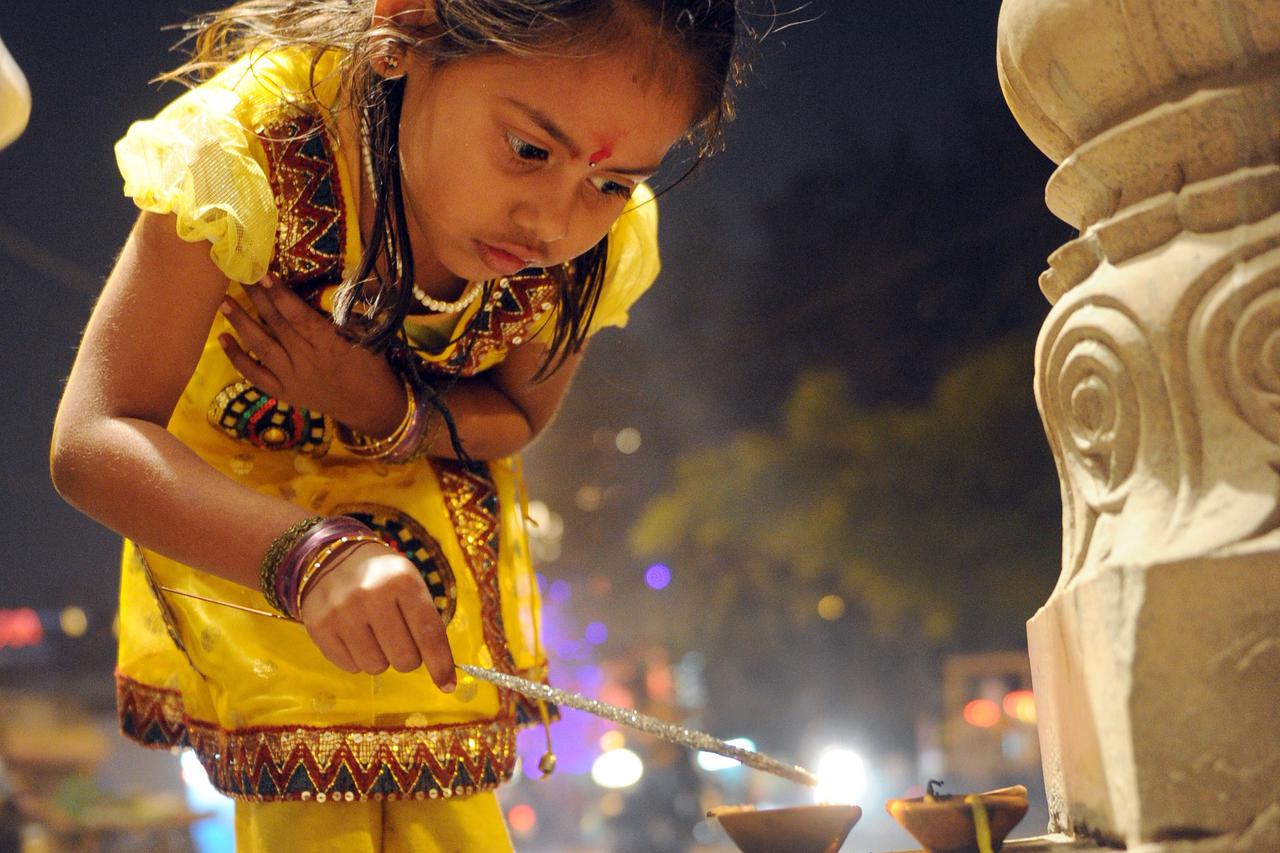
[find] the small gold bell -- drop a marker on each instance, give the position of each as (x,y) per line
(547,764)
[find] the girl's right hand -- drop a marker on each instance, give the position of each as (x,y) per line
(373,610)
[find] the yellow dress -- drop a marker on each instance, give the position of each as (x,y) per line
(247,161)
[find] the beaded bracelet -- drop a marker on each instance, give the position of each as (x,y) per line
(300,556)
(276,552)
(405,443)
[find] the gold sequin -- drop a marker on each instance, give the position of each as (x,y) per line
(265,668)
(241,464)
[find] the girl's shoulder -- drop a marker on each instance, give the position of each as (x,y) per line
(202,156)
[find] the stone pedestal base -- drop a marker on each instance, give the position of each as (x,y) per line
(1158,699)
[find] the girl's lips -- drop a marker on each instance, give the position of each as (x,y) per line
(500,260)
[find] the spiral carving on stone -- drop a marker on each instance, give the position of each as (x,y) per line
(1101,392)
(1089,393)
(1239,334)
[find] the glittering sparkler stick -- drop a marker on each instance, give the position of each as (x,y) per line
(627,716)
(636,720)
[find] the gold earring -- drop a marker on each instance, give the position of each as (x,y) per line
(392,63)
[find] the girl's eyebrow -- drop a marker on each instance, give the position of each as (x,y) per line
(553,130)
(550,127)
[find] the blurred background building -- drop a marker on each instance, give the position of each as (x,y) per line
(804,499)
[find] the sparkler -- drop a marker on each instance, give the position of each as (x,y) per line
(626,716)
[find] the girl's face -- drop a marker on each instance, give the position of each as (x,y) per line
(497,153)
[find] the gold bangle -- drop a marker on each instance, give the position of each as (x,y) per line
(322,559)
(367,446)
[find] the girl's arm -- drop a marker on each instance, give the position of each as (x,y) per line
(302,358)
(113,459)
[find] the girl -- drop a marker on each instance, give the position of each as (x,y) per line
(374,245)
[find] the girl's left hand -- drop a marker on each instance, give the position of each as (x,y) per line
(297,355)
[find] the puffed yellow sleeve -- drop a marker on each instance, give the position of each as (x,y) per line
(197,160)
(632,264)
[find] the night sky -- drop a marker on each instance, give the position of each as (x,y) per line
(877,71)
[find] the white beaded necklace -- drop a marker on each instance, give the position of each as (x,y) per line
(473,290)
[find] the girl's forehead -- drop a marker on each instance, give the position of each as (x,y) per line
(603,95)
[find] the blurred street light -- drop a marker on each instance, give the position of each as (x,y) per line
(842,777)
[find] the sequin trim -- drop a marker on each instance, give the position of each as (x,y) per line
(311,233)
(334,764)
(472,501)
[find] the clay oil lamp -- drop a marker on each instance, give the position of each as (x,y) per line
(961,823)
(797,829)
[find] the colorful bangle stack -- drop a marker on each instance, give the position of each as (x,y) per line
(303,554)
(405,443)
(276,551)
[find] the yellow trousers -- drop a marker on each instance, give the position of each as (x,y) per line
(463,825)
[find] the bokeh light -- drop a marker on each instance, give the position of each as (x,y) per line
(74,621)
(627,440)
(559,591)
(842,776)
(617,768)
(982,713)
(1021,705)
(596,633)
(714,762)
(831,607)
(657,576)
(612,739)
(588,498)
(522,819)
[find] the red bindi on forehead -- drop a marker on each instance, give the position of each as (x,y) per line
(600,155)
(604,148)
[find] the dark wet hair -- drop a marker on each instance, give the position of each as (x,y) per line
(704,33)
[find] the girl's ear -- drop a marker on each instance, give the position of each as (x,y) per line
(408,15)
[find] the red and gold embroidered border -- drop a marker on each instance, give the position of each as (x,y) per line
(333,764)
(509,320)
(311,234)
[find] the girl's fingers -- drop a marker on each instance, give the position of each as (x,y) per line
(332,647)
(254,371)
(264,301)
(427,630)
(299,314)
(396,642)
(255,338)
(365,649)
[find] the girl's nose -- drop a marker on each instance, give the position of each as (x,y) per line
(545,216)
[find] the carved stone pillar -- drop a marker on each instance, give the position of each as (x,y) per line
(1156,660)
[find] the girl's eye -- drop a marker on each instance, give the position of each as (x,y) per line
(525,150)
(609,187)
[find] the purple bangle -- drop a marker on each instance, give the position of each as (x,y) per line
(411,439)
(296,559)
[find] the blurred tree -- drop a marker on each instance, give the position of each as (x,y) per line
(934,524)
